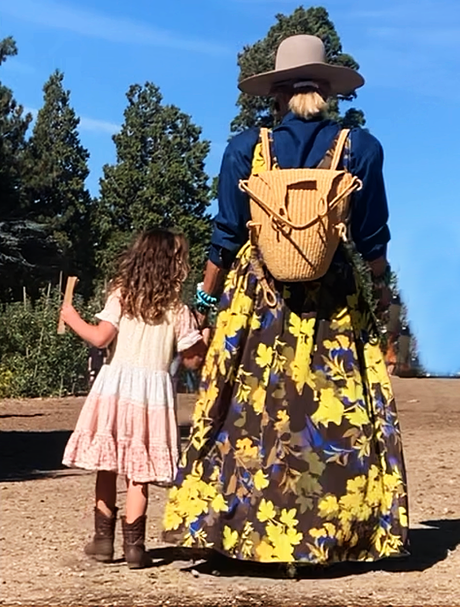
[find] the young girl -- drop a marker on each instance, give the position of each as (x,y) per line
(128,424)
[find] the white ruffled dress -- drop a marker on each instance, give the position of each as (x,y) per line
(128,423)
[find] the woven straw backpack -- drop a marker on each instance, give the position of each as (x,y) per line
(298,216)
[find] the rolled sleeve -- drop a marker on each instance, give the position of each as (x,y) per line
(369,218)
(230,230)
(112,310)
(186,329)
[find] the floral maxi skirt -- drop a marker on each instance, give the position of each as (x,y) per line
(295,452)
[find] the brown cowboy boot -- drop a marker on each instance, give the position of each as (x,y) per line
(133,543)
(101,546)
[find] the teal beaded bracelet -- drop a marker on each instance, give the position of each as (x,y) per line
(203,301)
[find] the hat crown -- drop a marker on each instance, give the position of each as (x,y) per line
(299,50)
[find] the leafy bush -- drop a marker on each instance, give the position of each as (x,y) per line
(34,359)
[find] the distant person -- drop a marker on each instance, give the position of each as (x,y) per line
(96,359)
(128,424)
(295,455)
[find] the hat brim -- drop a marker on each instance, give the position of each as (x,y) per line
(341,80)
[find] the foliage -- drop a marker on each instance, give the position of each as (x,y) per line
(57,170)
(48,220)
(416,367)
(260,57)
(46,210)
(13,127)
(34,359)
(158,179)
(28,255)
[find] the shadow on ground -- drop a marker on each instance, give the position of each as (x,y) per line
(30,455)
(26,455)
(12,415)
(429,546)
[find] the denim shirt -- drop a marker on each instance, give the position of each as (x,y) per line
(299,143)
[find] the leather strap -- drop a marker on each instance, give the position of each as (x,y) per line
(265,141)
(341,141)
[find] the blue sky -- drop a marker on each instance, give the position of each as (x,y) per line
(409,53)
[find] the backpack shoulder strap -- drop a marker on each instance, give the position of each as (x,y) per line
(265,141)
(339,147)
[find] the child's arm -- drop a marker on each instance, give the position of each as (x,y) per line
(100,335)
(191,343)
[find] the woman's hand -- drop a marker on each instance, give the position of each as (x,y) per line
(382,290)
(385,297)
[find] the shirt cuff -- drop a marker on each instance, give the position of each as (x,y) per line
(113,319)
(375,252)
(190,340)
(214,255)
(222,258)
(374,246)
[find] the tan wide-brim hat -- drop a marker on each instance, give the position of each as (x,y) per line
(300,58)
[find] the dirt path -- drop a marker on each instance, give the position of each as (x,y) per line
(46,516)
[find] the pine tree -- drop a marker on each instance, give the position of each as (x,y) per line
(58,168)
(158,179)
(13,128)
(260,57)
(27,253)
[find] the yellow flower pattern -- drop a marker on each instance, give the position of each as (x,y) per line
(295,452)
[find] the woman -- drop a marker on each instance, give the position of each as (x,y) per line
(295,453)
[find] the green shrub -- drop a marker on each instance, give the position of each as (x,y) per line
(34,359)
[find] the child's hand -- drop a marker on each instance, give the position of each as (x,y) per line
(193,357)
(69,315)
(100,336)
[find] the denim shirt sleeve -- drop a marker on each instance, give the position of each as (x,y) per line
(230,231)
(369,215)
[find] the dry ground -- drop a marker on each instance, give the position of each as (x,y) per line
(46,517)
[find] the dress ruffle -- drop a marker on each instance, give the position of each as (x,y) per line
(128,426)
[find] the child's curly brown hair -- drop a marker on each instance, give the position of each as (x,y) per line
(151,273)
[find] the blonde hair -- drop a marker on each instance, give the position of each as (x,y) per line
(307,103)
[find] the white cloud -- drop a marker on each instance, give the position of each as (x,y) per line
(398,12)
(382,13)
(428,37)
(98,126)
(59,15)
(13,65)
(87,124)
(409,49)
(265,2)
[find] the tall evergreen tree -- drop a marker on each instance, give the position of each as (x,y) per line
(158,179)
(13,127)
(58,168)
(260,57)
(27,253)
